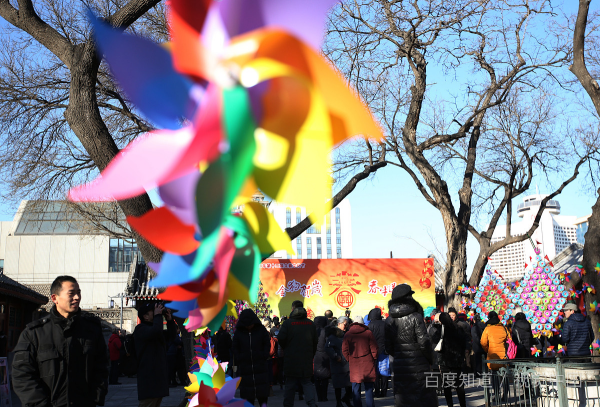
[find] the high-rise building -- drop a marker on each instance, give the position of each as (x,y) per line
(554,233)
(331,238)
(582,227)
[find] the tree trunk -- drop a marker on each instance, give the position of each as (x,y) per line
(86,122)
(591,258)
(456,259)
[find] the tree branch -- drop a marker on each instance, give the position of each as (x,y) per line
(295,231)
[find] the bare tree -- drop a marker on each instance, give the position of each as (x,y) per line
(591,254)
(387,48)
(63,118)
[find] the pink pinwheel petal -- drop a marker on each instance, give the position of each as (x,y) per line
(140,166)
(160,157)
(195,320)
(222,259)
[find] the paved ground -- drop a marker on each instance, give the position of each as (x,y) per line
(125,395)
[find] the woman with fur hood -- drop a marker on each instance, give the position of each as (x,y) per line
(407,341)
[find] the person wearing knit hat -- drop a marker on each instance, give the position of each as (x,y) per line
(406,339)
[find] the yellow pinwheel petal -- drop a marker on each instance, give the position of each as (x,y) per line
(218,378)
(294,138)
(266,231)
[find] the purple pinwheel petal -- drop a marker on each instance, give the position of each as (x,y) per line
(227,392)
(303,18)
(181,192)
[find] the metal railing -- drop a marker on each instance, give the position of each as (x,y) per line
(543,382)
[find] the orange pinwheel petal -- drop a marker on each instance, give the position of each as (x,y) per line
(349,115)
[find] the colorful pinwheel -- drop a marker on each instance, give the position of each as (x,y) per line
(535,352)
(243,94)
(594,307)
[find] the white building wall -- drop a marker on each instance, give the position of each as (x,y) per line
(39,259)
(279,211)
(554,233)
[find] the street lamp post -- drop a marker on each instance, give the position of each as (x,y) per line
(122,297)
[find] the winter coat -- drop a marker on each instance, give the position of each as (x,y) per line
(298,338)
(340,370)
(151,352)
(407,341)
(61,362)
(435,334)
(522,337)
(223,345)
(360,350)
(476,332)
(250,351)
(452,355)
(466,328)
(377,326)
(578,335)
(493,340)
(114,347)
(321,362)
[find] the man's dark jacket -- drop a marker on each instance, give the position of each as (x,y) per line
(578,335)
(298,338)
(377,327)
(151,352)
(61,362)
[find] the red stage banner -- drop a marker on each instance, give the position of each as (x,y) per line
(358,285)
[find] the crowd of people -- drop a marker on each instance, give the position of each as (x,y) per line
(305,357)
(407,348)
(62,359)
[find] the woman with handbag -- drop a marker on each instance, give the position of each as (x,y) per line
(452,356)
(522,337)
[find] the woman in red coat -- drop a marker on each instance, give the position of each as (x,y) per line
(114,348)
(360,350)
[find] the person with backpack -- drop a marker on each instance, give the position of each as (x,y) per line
(452,357)
(377,327)
(522,336)
(493,341)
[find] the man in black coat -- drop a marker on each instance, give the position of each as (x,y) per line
(298,338)
(377,327)
(61,359)
(151,352)
(251,348)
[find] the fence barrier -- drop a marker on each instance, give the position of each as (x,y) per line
(542,382)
